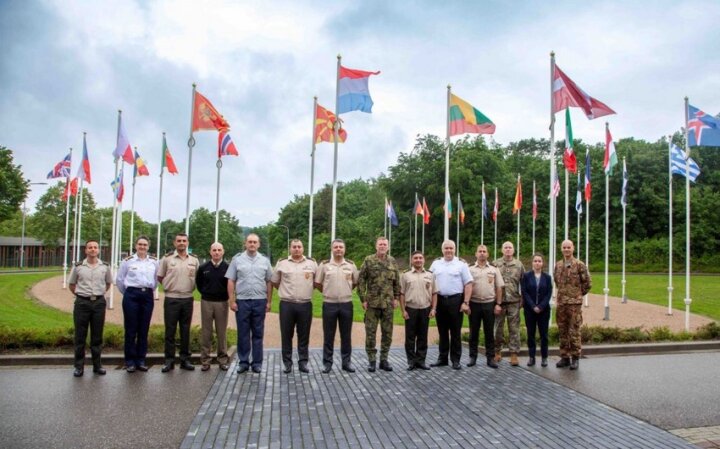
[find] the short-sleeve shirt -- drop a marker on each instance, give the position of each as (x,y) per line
(250,274)
(137,272)
(178,275)
(295,278)
(90,280)
(511,272)
(337,280)
(485,280)
(418,286)
(450,276)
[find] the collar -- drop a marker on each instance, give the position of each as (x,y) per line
(421,270)
(487,264)
(303,259)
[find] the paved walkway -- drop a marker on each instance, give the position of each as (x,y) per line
(475,407)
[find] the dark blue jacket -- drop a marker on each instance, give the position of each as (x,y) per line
(534,294)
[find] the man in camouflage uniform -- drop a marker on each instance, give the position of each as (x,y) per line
(573,281)
(379,290)
(511,270)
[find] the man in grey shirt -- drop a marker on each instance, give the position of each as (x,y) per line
(250,296)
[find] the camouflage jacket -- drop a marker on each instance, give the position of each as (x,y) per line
(572,280)
(511,272)
(379,282)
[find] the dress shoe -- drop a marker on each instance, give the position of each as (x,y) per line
(498,357)
(287,369)
(302,367)
(439,363)
(514,359)
(256,369)
(411,367)
(371,367)
(563,363)
(327,368)
(130,369)
(348,367)
(575,363)
(472,362)
(385,366)
(531,361)
(243,369)
(422,366)
(78,372)
(99,370)
(544,362)
(205,367)
(456,365)
(186,365)
(491,362)
(167,367)
(224,367)
(142,367)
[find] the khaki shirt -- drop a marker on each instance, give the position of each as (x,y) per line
(337,280)
(90,281)
(295,279)
(486,280)
(511,272)
(178,275)
(418,287)
(571,278)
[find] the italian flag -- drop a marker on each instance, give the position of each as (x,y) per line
(610,154)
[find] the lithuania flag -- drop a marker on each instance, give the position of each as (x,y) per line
(466,119)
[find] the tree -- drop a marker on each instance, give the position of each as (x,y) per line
(13,185)
(48,222)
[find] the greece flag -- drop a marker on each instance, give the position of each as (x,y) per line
(677,159)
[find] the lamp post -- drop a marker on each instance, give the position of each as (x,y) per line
(22,235)
(288,236)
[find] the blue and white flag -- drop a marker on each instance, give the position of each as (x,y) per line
(677,158)
(623,198)
(703,129)
(579,198)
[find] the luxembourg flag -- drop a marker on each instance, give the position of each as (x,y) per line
(226,147)
(353,92)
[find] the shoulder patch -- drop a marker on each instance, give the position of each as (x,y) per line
(349,261)
(127,258)
(169,253)
(407,271)
(192,255)
(152,257)
(325,261)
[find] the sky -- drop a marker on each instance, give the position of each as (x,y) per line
(67,67)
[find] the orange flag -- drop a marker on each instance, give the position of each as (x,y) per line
(205,116)
(518,197)
(324,121)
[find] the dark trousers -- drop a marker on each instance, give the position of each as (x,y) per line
(250,318)
(449,321)
(482,314)
(337,315)
(177,311)
(540,321)
(416,335)
(88,313)
(295,315)
(137,308)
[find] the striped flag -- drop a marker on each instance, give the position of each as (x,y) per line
(610,153)
(461,211)
(226,147)
(517,205)
(84,169)
(555,188)
(569,156)
(426,212)
(579,198)
(677,157)
(534,205)
(167,159)
(496,206)
(141,168)
(588,185)
(448,206)
(118,186)
(484,202)
(623,198)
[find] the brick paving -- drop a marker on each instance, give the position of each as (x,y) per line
(475,407)
(704,437)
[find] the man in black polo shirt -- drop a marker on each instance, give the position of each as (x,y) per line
(212,285)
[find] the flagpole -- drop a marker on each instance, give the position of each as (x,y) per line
(579,213)
(113,232)
(496,217)
(218,164)
(385,218)
(79,226)
(624,206)
(132,208)
(533,220)
(446,221)
(336,127)
(567,203)
(191,144)
(73,259)
(482,215)
(457,219)
(162,171)
(551,242)
(67,223)
(606,290)
(587,229)
(312,178)
(415,213)
(423,230)
(687,301)
(670,228)
(518,218)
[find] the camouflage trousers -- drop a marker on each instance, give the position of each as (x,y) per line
(510,313)
(373,317)
(569,321)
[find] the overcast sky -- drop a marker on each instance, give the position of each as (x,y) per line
(68,66)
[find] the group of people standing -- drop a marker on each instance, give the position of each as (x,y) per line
(491,294)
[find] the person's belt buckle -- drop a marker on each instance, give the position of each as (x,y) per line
(93,297)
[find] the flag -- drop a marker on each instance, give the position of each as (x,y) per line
(569,155)
(123,150)
(623,197)
(579,198)
(72,186)
(677,158)
(610,154)
(484,203)
(496,206)
(534,206)
(466,119)
(567,94)
(418,207)
(205,116)
(226,147)
(167,160)
(324,122)
(555,187)
(353,92)
(118,186)
(517,205)
(391,214)
(140,166)
(84,169)
(447,207)
(703,129)
(426,212)
(461,211)
(588,186)
(61,169)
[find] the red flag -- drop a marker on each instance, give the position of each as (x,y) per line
(226,147)
(567,94)
(168,160)
(496,207)
(84,169)
(426,213)
(534,206)
(418,207)
(324,122)
(205,116)
(517,205)
(72,186)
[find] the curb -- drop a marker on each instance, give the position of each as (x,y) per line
(112,359)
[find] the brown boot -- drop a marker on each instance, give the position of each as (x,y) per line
(498,357)
(514,359)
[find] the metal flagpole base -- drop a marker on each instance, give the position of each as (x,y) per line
(669,312)
(585,301)
(624,296)
(607,314)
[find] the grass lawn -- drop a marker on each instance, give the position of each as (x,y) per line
(20,311)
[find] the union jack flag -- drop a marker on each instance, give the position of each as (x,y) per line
(61,169)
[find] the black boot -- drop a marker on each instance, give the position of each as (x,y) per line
(385,366)
(472,361)
(491,362)
(563,363)
(371,367)
(575,364)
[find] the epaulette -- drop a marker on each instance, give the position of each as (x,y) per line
(439,258)
(407,271)
(348,260)
(152,257)
(77,264)
(310,258)
(127,258)
(193,255)
(284,258)
(169,253)
(325,261)
(102,262)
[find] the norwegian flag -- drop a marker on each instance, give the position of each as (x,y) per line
(61,169)
(226,147)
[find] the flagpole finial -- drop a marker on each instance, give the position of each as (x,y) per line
(449,86)
(339,56)
(163,133)
(552,53)
(194,85)
(84,133)
(686,98)
(315,98)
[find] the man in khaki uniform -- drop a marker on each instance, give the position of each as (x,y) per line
(294,278)
(418,302)
(89,281)
(511,270)
(573,282)
(485,303)
(177,275)
(336,278)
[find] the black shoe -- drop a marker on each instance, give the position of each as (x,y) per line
(371,367)
(243,369)
(531,361)
(78,372)
(575,363)
(439,363)
(186,365)
(130,369)
(302,367)
(385,366)
(256,369)
(348,367)
(327,368)
(472,362)
(224,367)
(167,367)
(422,366)
(142,367)
(492,363)
(563,363)
(544,362)
(456,365)
(99,370)
(287,369)
(411,367)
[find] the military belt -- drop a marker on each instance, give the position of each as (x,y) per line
(90,298)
